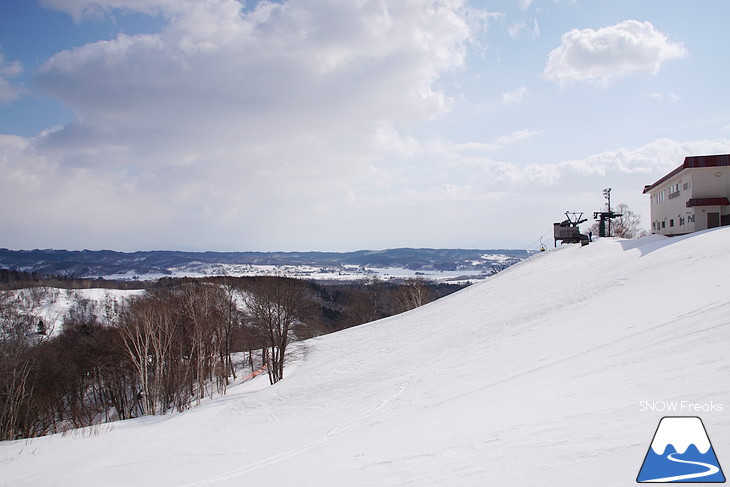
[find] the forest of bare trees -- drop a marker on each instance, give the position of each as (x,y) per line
(169,347)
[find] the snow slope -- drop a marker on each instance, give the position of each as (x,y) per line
(56,303)
(533,377)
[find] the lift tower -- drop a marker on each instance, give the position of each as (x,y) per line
(605,217)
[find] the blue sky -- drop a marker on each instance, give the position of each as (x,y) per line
(331,125)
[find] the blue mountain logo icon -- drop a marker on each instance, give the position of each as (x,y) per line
(681,452)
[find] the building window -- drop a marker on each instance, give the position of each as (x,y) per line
(690,218)
(671,223)
(681,221)
(673,191)
(653,225)
(664,224)
(685,186)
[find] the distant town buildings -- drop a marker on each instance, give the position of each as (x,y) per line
(693,197)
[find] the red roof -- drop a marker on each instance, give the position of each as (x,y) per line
(707,161)
(707,202)
(692,162)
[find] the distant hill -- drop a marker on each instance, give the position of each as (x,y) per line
(96,263)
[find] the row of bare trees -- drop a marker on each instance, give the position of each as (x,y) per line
(16,363)
(175,341)
(168,348)
(376,299)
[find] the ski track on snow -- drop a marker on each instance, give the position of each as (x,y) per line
(297,451)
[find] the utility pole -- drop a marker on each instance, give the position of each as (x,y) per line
(607,195)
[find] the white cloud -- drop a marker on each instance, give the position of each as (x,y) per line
(649,160)
(474,187)
(515,96)
(520,136)
(218,71)
(235,126)
(604,55)
(67,205)
(472,167)
(455,150)
(671,97)
(288,125)
(516,29)
(644,163)
(9,91)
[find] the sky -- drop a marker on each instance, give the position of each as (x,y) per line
(343,125)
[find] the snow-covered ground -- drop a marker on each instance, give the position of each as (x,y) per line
(540,375)
(52,304)
(345,273)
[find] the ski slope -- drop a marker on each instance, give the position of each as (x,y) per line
(533,377)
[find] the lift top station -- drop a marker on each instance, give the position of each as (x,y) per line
(567,231)
(605,217)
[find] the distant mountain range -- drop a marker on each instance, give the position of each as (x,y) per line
(107,263)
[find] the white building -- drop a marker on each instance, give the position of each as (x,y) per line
(693,197)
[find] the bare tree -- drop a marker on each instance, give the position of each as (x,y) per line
(149,336)
(231,318)
(205,308)
(412,294)
(275,306)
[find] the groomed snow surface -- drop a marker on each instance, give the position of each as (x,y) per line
(533,377)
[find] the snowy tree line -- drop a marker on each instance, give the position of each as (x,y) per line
(169,348)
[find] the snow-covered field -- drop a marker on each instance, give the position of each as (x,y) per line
(343,273)
(539,376)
